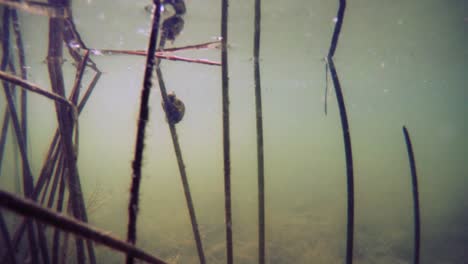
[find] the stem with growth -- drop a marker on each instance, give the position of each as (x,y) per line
(143,119)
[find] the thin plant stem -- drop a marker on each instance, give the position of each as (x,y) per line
(24,73)
(3,136)
(160,54)
(47,163)
(346,133)
(326,86)
(416,211)
(180,163)
(259,122)
(6,239)
(27,176)
(31,209)
(59,207)
(89,91)
(66,119)
(34,88)
(140,137)
(56,178)
(75,93)
(226,135)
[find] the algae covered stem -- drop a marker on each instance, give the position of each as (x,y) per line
(140,137)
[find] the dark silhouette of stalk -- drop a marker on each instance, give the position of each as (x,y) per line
(75,93)
(259,119)
(326,87)
(226,135)
(346,133)
(28,208)
(414,179)
(47,166)
(40,230)
(66,119)
(24,74)
(180,162)
(27,176)
(59,208)
(57,176)
(140,137)
(6,239)
(89,91)
(3,136)
(45,173)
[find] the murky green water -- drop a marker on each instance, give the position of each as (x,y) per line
(399,63)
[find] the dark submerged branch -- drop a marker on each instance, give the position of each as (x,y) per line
(226,135)
(30,209)
(140,137)
(66,120)
(6,239)
(34,88)
(28,181)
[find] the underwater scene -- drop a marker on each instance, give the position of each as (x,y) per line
(203,131)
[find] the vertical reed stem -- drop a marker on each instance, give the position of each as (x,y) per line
(259,120)
(414,180)
(66,120)
(346,133)
(24,75)
(3,136)
(226,136)
(27,176)
(140,137)
(6,239)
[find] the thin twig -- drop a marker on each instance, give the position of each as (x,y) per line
(226,136)
(89,91)
(346,133)
(159,54)
(140,137)
(30,209)
(259,121)
(34,88)
(414,181)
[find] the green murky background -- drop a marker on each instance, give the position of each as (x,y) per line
(399,63)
